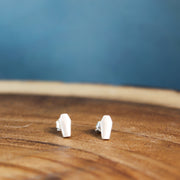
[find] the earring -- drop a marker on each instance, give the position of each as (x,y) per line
(64,124)
(104,126)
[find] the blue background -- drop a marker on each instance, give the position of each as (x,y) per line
(123,42)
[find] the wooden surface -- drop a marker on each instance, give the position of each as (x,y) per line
(144,144)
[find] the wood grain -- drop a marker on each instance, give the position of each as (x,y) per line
(145,140)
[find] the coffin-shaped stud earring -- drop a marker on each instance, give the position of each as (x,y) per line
(64,124)
(104,126)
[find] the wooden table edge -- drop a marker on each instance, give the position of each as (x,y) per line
(162,97)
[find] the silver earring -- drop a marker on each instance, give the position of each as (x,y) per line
(64,124)
(105,126)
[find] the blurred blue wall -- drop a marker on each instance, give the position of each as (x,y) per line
(129,42)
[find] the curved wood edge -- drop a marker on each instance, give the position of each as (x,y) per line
(162,97)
